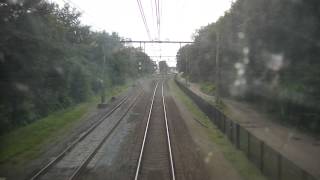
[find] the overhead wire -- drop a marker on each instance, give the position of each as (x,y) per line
(158,16)
(144,18)
(158,7)
(153,14)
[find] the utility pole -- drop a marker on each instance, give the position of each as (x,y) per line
(144,60)
(217,79)
(103,97)
(187,69)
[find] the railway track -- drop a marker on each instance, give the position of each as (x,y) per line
(55,168)
(156,158)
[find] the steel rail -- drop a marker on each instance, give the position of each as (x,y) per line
(167,133)
(76,141)
(168,136)
(93,153)
(145,133)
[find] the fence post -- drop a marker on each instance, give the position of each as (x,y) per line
(238,135)
(231,132)
(224,125)
(279,164)
(221,121)
(261,155)
(218,122)
(215,116)
(248,134)
(218,117)
(227,126)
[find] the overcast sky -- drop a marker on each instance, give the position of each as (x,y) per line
(179,19)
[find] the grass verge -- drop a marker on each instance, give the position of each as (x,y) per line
(237,158)
(25,143)
(207,88)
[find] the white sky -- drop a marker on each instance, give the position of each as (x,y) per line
(179,20)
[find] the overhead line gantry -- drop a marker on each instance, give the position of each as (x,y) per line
(168,42)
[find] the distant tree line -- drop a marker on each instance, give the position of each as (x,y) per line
(269,54)
(163,67)
(50,61)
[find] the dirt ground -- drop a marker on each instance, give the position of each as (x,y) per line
(297,146)
(118,158)
(195,155)
(211,156)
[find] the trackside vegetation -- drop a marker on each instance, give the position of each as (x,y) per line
(50,61)
(267,53)
(25,143)
(208,88)
(237,158)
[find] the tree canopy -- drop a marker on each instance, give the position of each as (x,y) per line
(49,60)
(268,53)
